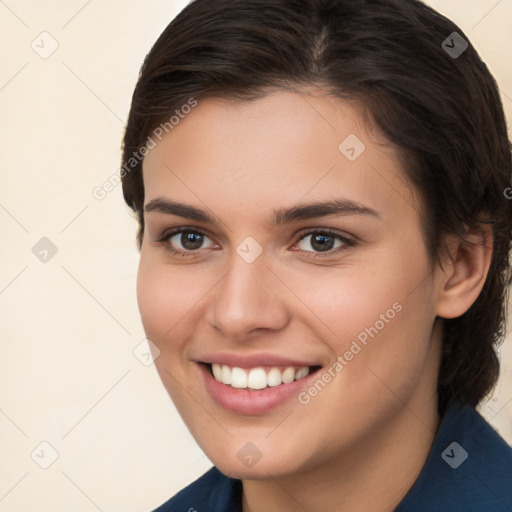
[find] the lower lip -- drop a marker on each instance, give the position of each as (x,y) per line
(247,401)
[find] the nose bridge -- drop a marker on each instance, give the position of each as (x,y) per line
(247,298)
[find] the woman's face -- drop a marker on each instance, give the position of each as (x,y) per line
(269,283)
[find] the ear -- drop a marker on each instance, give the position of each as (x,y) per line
(464,271)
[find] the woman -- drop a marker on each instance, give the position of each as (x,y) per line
(324,230)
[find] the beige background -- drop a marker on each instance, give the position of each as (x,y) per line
(69,326)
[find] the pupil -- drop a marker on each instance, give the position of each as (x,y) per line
(191,241)
(325,242)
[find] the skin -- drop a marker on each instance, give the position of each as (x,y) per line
(361,442)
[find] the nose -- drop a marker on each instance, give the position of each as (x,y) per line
(248,297)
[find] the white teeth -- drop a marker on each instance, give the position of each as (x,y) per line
(301,373)
(288,375)
(217,372)
(274,377)
(226,375)
(256,378)
(238,378)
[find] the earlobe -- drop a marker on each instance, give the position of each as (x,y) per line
(465,271)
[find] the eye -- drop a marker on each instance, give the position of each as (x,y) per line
(324,241)
(187,242)
(190,240)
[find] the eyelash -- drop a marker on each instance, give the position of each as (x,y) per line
(184,254)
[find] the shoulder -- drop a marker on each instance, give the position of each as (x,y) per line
(212,491)
(469,467)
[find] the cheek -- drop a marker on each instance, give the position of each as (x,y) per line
(377,315)
(345,301)
(153,299)
(160,299)
(171,300)
(163,306)
(395,353)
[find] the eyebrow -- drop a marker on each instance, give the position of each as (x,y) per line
(336,207)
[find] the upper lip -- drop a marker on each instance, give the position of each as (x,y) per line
(253,360)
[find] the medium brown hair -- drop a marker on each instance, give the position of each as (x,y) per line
(442,111)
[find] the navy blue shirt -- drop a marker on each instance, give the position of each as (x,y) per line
(468,469)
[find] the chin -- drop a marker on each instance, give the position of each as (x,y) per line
(260,471)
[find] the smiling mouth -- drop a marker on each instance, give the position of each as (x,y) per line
(259,377)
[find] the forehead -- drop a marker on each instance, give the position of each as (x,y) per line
(279,149)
